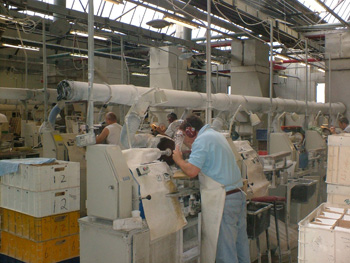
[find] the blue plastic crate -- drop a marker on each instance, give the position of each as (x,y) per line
(261,134)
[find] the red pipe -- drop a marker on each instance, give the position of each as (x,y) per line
(278,67)
(222,44)
(295,61)
(321,36)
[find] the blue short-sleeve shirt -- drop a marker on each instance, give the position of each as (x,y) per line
(213,155)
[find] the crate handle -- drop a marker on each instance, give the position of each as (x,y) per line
(60,218)
(60,193)
(59,169)
(60,242)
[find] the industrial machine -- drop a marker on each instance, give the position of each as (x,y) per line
(298,185)
(30,132)
(252,170)
(53,146)
(122,182)
(316,147)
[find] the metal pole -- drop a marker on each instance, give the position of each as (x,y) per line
(122,59)
(269,125)
(217,78)
(177,72)
(208,111)
(329,91)
(90,111)
(307,87)
(45,72)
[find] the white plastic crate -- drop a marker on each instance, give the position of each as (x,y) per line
(45,177)
(338,165)
(40,204)
(324,241)
(338,194)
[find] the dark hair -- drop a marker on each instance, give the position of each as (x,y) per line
(172,116)
(344,120)
(192,121)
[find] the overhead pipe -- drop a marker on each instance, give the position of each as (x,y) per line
(29,95)
(278,67)
(290,61)
(125,95)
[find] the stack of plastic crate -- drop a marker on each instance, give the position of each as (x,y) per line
(40,212)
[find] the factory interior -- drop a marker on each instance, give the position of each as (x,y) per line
(270,76)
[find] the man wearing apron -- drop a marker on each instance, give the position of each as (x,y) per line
(224,227)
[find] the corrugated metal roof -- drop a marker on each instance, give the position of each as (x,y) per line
(340,7)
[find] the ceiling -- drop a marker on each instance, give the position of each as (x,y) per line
(126,23)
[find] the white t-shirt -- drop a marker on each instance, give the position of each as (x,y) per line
(173,127)
(114,133)
(347,129)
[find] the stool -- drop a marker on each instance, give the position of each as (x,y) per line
(277,200)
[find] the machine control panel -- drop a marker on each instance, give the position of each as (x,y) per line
(142,170)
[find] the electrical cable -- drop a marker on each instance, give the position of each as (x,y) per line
(245,31)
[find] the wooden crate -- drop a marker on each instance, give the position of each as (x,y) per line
(40,229)
(51,251)
(338,165)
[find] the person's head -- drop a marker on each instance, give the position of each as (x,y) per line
(171,117)
(190,128)
(111,118)
(343,122)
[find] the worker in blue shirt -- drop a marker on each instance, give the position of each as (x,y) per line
(223,201)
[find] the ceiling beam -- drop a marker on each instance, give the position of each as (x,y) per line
(17,41)
(135,34)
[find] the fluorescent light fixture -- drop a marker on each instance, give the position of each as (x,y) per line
(22,47)
(84,34)
(180,21)
(282,57)
(119,33)
(282,76)
(189,72)
(6,18)
(321,70)
(116,2)
(215,62)
(303,64)
(78,55)
(139,74)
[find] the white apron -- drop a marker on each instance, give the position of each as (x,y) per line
(213,197)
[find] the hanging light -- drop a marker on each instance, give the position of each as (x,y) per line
(180,21)
(116,2)
(85,34)
(22,47)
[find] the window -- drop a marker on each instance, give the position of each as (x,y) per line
(320,92)
(229,90)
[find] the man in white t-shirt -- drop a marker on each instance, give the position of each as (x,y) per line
(111,133)
(343,124)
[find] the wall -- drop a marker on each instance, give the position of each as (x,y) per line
(16,79)
(293,87)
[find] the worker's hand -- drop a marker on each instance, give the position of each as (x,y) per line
(161,128)
(177,155)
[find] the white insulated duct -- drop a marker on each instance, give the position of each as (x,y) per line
(128,94)
(32,96)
